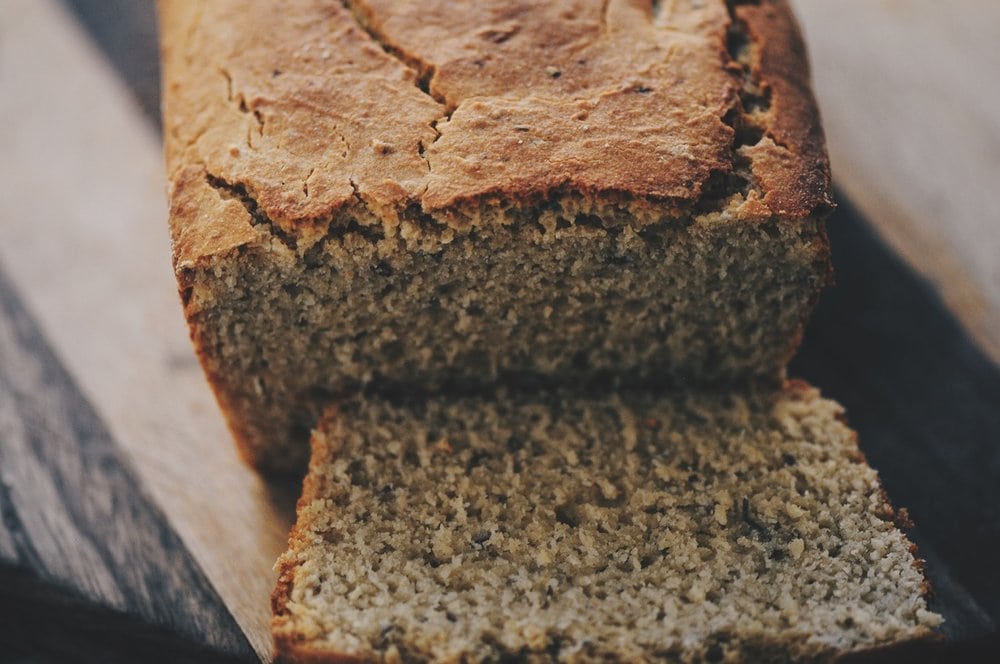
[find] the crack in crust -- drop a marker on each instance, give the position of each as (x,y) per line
(228,190)
(468,133)
(423,71)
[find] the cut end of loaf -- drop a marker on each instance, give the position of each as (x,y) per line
(691,528)
(575,300)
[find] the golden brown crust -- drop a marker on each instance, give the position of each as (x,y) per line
(298,105)
(278,98)
(621,103)
(790,161)
(202,223)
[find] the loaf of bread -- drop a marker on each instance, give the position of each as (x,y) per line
(701,527)
(391,194)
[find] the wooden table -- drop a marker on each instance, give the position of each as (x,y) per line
(128,527)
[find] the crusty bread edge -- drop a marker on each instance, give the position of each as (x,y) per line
(288,647)
(782,65)
(898,651)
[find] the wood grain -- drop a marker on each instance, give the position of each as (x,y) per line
(83,217)
(78,532)
(911,107)
(82,214)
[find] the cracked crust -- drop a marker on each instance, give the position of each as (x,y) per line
(629,103)
(790,162)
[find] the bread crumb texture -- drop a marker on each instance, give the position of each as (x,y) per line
(699,527)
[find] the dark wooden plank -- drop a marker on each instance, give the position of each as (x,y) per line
(48,626)
(926,403)
(86,559)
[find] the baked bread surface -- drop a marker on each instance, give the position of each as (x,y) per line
(699,527)
(665,158)
(295,102)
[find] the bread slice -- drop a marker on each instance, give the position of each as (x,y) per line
(699,527)
(434,194)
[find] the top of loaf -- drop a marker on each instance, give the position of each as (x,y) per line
(419,113)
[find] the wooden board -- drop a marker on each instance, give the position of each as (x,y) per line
(152,540)
(87,561)
(912,114)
